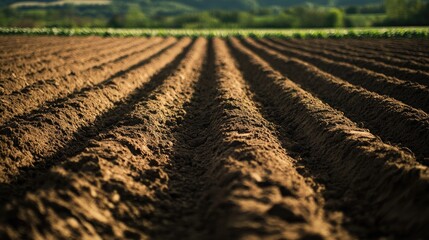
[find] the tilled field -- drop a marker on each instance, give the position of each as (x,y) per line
(165,138)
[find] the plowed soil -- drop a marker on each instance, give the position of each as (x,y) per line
(165,138)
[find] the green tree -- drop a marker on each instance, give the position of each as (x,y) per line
(403,9)
(335,18)
(135,18)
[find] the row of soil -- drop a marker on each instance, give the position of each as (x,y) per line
(386,117)
(25,76)
(46,48)
(380,183)
(210,169)
(412,48)
(30,98)
(208,141)
(33,68)
(10,43)
(17,39)
(407,61)
(121,185)
(40,134)
(389,70)
(388,53)
(391,52)
(18,73)
(254,189)
(27,41)
(413,94)
(33,64)
(376,56)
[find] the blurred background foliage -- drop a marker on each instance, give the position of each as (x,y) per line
(213,13)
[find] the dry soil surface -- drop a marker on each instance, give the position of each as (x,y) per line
(165,138)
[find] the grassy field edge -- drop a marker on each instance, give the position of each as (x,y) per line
(389,32)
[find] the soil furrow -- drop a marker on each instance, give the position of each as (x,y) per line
(364,47)
(27,140)
(253,190)
(67,51)
(395,52)
(36,65)
(121,186)
(48,48)
(400,73)
(394,45)
(410,64)
(26,79)
(8,41)
(415,45)
(31,98)
(85,135)
(414,94)
(52,47)
(389,180)
(210,138)
(383,116)
(14,46)
(30,41)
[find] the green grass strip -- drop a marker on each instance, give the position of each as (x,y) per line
(389,32)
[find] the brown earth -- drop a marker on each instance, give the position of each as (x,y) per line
(152,138)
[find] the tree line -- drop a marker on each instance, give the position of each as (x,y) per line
(165,14)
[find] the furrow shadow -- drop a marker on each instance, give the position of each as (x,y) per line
(83,136)
(45,107)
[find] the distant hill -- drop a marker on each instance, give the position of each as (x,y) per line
(59,3)
(287,3)
(246,4)
(202,4)
(17,3)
